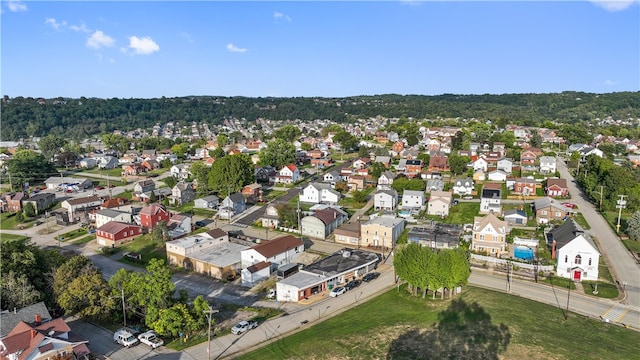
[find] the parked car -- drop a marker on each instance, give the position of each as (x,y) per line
(271,294)
(352,284)
(370,276)
(151,339)
(200,224)
(337,291)
(244,326)
(569,205)
(125,337)
(99,187)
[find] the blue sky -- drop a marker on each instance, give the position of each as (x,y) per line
(300,48)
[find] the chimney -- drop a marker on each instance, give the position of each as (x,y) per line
(38,319)
(34,333)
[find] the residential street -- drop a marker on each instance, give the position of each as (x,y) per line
(622,265)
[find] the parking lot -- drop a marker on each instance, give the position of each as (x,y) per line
(103,347)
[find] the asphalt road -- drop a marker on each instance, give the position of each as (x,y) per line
(622,265)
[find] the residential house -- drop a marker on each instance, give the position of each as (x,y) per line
(381,232)
(463,186)
(180,171)
(385,180)
(78,207)
(133,169)
(319,193)
(266,174)
(253,193)
(209,202)
(232,205)
(548,209)
(397,147)
(32,314)
(12,202)
(634,160)
(315,154)
(179,225)
(528,157)
(271,218)
(116,233)
(149,154)
(104,216)
(436,235)
(439,162)
(88,163)
(479,175)
(435,185)
(497,175)
(480,164)
(490,199)
(547,164)
(209,253)
(515,217)
(322,223)
(413,167)
(116,202)
(525,187)
(590,150)
(439,203)
(153,214)
(499,147)
(289,174)
(362,163)
(413,200)
(383,159)
(332,177)
(40,340)
(505,165)
(557,187)
(577,257)
(575,147)
(182,193)
(385,200)
(144,186)
(489,235)
(260,261)
(40,201)
(151,164)
(348,233)
(321,163)
(356,182)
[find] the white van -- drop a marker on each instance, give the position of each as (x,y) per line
(125,337)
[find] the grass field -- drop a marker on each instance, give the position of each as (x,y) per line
(12,237)
(463,213)
(8,221)
(478,324)
(73,234)
(145,246)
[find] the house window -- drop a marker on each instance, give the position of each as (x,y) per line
(544,212)
(589,261)
(578,260)
(566,258)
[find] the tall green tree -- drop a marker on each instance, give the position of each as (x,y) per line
(458,163)
(287,133)
(29,166)
(278,153)
(231,173)
(51,145)
(17,291)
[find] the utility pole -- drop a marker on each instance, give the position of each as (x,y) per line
(621,204)
(209,313)
(124,313)
(601,192)
(566,313)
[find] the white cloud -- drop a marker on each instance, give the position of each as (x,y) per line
(234,48)
(16,6)
(82,28)
(98,39)
(278,15)
(411,2)
(55,24)
(614,5)
(187,37)
(143,46)
(610,82)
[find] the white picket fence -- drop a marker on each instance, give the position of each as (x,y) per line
(496,261)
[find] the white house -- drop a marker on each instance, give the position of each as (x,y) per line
(331,177)
(505,165)
(480,164)
(497,175)
(463,186)
(547,164)
(207,202)
(413,200)
(289,174)
(385,200)
(180,171)
(576,255)
(316,193)
(276,252)
(440,203)
(385,180)
(491,198)
(105,215)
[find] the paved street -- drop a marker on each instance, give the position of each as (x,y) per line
(623,266)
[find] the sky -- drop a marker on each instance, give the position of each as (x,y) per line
(148,49)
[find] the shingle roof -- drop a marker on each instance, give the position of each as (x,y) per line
(153,209)
(27,314)
(277,246)
(217,233)
(114,227)
(84,200)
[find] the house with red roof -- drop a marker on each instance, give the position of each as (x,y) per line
(116,233)
(289,174)
(151,215)
(322,223)
(557,187)
(263,259)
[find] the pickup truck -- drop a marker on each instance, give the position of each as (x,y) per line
(151,339)
(125,337)
(244,326)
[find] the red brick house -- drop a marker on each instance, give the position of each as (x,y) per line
(439,163)
(356,182)
(413,166)
(151,215)
(115,233)
(557,187)
(320,163)
(12,202)
(151,164)
(133,169)
(525,186)
(398,146)
(315,154)
(252,192)
(381,137)
(528,157)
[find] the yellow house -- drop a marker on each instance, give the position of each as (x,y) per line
(489,235)
(381,232)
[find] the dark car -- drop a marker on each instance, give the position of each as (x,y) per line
(370,276)
(99,187)
(352,284)
(200,224)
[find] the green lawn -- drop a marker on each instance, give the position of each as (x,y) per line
(73,234)
(463,213)
(8,221)
(273,194)
(12,237)
(476,324)
(579,218)
(605,290)
(84,240)
(145,246)
(117,172)
(632,245)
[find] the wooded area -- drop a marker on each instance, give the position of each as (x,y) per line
(79,118)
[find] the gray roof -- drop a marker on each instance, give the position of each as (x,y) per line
(440,233)
(110,213)
(391,192)
(342,261)
(515,212)
(210,198)
(544,202)
(563,234)
(9,319)
(320,186)
(412,193)
(389,221)
(236,197)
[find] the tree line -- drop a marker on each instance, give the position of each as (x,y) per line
(79,118)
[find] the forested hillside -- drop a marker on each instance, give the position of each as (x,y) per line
(78,118)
